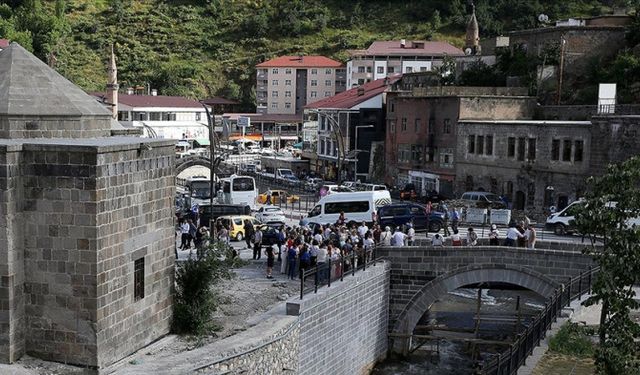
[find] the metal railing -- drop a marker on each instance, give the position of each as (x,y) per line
(508,362)
(332,271)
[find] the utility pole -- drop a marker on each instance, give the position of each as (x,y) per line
(211,124)
(563,42)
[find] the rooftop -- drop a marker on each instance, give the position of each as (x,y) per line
(266,117)
(217,100)
(525,122)
(410,48)
(353,97)
(163,101)
(300,62)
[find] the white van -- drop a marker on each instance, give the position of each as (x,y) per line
(357,207)
(563,222)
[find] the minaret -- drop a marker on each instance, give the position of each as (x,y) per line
(472,40)
(112,85)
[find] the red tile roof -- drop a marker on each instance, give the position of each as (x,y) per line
(4,43)
(300,62)
(412,48)
(217,100)
(350,98)
(153,101)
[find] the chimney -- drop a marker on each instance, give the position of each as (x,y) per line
(154,92)
(360,91)
(403,43)
(112,84)
(129,90)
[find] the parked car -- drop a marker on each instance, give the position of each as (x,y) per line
(277,196)
(312,183)
(356,206)
(483,199)
(270,233)
(564,221)
(236,225)
(397,214)
(270,214)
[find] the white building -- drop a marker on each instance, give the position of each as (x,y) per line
(386,58)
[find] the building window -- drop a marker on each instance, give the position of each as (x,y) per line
(274,105)
(314,94)
(314,71)
(392,126)
(480,146)
(447,126)
(417,125)
(511,147)
(314,82)
(287,71)
(391,69)
(274,82)
(416,153)
(327,71)
(404,153)
(361,69)
(578,150)
(327,82)
(432,123)
(392,107)
(566,150)
(287,105)
(198,114)
(138,279)
(274,94)
(327,94)
(471,144)
(322,147)
(531,152)
(446,158)
(274,71)
(409,69)
(368,69)
(360,81)
(404,124)
(489,148)
(555,149)
(287,94)
(168,116)
(155,116)
(380,70)
(521,147)
(423,68)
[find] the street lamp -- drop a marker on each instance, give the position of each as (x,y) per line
(211,124)
(355,169)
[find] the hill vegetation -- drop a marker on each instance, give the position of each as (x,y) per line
(200,48)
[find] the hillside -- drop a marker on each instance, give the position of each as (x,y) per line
(200,48)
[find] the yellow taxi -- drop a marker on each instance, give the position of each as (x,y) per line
(277,196)
(236,225)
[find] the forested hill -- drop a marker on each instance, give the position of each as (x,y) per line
(200,48)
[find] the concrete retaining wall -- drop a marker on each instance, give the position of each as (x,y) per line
(343,329)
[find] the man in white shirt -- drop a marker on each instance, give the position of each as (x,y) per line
(411,235)
(184,235)
(512,236)
(321,263)
(363,229)
(398,238)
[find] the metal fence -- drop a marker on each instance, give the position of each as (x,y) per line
(508,362)
(333,271)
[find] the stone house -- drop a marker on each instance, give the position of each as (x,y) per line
(86,224)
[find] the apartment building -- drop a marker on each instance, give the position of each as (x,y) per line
(287,83)
(386,58)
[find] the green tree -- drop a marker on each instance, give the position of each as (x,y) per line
(612,202)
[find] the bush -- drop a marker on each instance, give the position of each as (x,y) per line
(195,299)
(573,339)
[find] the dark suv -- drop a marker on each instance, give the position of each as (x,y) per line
(394,215)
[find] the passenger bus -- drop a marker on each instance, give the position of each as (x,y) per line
(198,188)
(239,190)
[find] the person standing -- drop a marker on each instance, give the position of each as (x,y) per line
(455,219)
(385,237)
(494,235)
(192,233)
(270,261)
(455,238)
(398,237)
(513,234)
(249,232)
(445,220)
(363,229)
(184,234)
(411,235)
(530,235)
(257,244)
(472,237)
(292,255)
(321,262)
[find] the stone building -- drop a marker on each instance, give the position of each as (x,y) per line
(534,164)
(86,227)
(422,119)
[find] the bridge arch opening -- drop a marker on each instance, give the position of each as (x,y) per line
(421,302)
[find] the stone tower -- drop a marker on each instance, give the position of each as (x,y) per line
(112,85)
(472,39)
(86,226)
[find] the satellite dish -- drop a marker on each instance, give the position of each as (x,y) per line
(543,18)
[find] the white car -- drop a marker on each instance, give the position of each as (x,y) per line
(270,214)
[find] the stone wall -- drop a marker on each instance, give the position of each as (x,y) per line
(134,199)
(12,318)
(618,138)
(343,328)
(497,107)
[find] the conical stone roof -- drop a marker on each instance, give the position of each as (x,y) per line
(28,86)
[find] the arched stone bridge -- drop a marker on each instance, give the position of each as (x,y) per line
(192,161)
(421,275)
